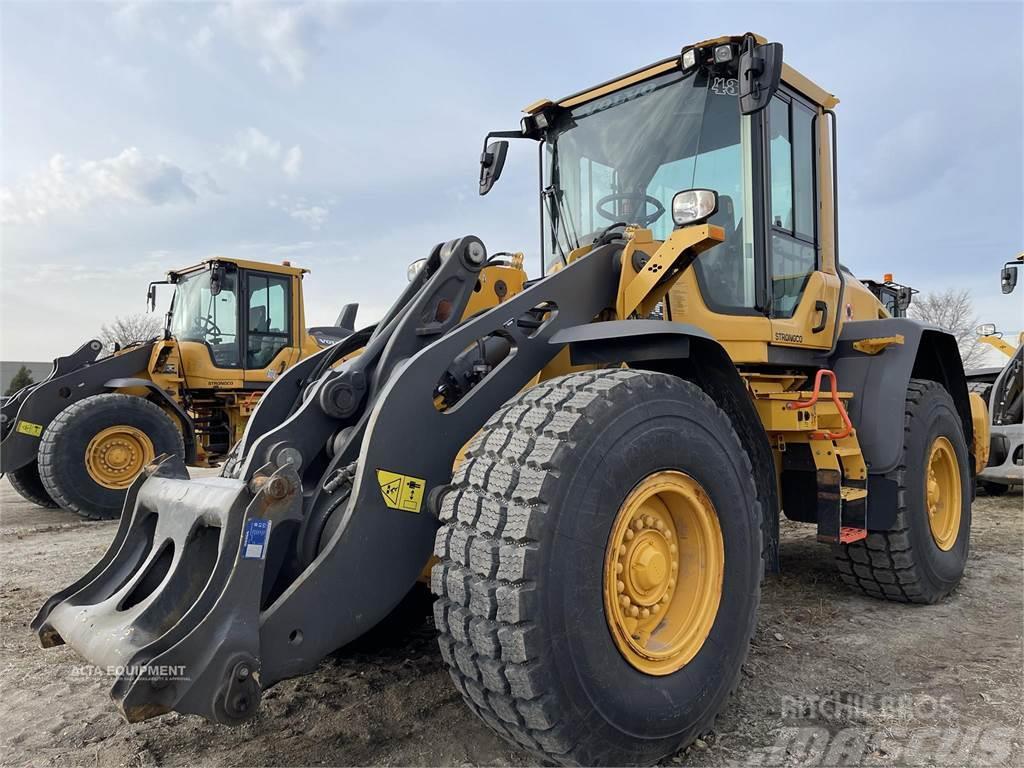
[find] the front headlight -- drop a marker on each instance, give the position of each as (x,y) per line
(693,206)
(414,269)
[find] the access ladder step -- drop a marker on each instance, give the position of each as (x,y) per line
(849,535)
(848,493)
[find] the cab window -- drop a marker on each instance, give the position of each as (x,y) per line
(793,202)
(269,318)
(211,319)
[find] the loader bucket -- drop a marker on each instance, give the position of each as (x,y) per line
(182,575)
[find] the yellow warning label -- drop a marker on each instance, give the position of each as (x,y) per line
(402,492)
(28,428)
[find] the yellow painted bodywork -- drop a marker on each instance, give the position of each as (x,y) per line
(1000,344)
(982,436)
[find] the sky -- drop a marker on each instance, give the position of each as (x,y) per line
(345,137)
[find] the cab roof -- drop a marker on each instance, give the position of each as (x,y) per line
(790,76)
(284,268)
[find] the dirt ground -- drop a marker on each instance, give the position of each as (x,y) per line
(832,677)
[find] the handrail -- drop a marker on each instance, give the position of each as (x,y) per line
(815,393)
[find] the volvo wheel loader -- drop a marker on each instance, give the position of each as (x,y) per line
(79,438)
(589,464)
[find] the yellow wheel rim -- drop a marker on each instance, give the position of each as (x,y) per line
(663,573)
(942,495)
(115,456)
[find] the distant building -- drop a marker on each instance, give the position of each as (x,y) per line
(8,368)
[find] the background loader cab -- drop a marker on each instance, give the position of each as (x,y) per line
(238,323)
(81,437)
(894,297)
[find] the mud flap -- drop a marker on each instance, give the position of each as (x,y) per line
(172,608)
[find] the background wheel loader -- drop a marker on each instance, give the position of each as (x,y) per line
(601,490)
(79,438)
(1002,389)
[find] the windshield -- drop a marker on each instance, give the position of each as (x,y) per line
(622,158)
(198,315)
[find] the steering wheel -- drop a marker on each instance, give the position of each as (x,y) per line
(636,197)
(205,325)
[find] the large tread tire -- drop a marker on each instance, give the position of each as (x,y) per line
(905,564)
(525,525)
(28,485)
(62,450)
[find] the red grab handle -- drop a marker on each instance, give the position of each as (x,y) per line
(815,393)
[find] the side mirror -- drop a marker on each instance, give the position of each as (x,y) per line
(759,73)
(903,299)
(1008,278)
(986,329)
(216,279)
(491,163)
(151,297)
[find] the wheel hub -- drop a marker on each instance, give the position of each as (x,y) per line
(663,572)
(116,455)
(943,493)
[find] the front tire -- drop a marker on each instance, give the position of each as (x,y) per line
(28,485)
(531,528)
(922,558)
(93,450)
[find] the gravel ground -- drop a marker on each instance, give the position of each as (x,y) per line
(832,677)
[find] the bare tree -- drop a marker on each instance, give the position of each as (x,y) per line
(953,311)
(130,329)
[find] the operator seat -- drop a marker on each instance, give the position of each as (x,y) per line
(722,265)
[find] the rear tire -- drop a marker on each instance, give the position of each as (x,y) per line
(28,485)
(912,563)
(523,572)
(63,466)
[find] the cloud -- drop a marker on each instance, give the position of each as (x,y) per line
(129,177)
(250,144)
(199,44)
(292,162)
(132,19)
(314,215)
(284,37)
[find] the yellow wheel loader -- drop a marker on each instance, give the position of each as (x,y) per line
(79,438)
(590,464)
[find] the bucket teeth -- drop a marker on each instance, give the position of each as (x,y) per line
(172,608)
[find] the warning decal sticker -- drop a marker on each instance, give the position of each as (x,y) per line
(28,428)
(402,492)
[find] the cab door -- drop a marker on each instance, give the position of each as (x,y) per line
(803,286)
(270,333)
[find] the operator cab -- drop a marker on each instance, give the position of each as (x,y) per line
(725,115)
(243,316)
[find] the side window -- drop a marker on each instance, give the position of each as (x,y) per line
(269,318)
(793,202)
